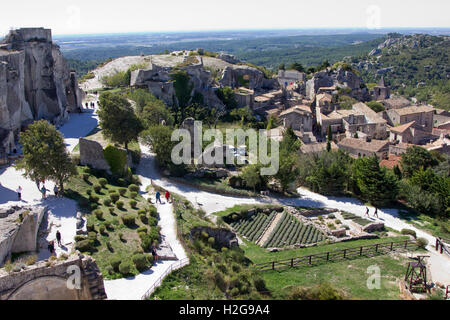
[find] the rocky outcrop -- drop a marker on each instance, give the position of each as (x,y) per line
(35,81)
(91,154)
(19,227)
(237,76)
(379,226)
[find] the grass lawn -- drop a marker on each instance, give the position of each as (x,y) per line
(245,207)
(437,227)
(347,276)
(124,241)
(259,255)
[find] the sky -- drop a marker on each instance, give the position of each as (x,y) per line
(108,16)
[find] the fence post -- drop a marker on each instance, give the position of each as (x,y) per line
(376,248)
(442,248)
(392,246)
(406,244)
(437,244)
(328,255)
(360,251)
(273,265)
(310,258)
(292,262)
(345,253)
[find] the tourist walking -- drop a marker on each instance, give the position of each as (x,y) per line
(375,214)
(367,211)
(43,191)
(58,237)
(55,190)
(38,184)
(158,197)
(19,193)
(51,247)
(154,254)
(167,196)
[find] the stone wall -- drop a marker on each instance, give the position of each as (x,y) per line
(48,280)
(18,229)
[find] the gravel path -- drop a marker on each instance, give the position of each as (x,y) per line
(269,230)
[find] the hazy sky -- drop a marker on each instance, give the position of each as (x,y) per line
(101,16)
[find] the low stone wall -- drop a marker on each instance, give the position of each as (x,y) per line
(50,280)
(19,227)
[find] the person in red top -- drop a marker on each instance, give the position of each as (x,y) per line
(167,195)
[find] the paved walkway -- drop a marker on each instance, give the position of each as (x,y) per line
(211,203)
(62,211)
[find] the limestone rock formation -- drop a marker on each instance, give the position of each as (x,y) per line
(35,82)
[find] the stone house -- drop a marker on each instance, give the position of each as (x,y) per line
(409,133)
(324,103)
(395,102)
(244,97)
(381,92)
(399,148)
(422,115)
(286,77)
(298,118)
(360,148)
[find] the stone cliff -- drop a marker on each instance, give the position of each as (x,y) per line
(35,82)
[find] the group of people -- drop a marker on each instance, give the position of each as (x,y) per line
(166,195)
(90,105)
(375,214)
(51,243)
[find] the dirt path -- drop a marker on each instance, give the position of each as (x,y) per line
(269,230)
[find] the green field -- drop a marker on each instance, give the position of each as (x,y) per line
(253,227)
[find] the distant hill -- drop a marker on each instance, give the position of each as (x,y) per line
(416,66)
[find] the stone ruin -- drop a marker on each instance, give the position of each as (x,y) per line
(223,237)
(43,280)
(35,83)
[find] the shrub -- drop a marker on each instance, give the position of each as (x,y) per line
(122,191)
(116,158)
(153,211)
(94,199)
(128,220)
(107,202)
(331,216)
(92,236)
(409,232)
(111,210)
(119,204)
(115,263)
(89,192)
(90,227)
(102,229)
(133,195)
(85,245)
(143,218)
(140,261)
(125,268)
(30,260)
(109,245)
(80,237)
(99,214)
(422,243)
(141,229)
(141,211)
(85,176)
(121,236)
(121,181)
(114,197)
(103,182)
(133,203)
(97,188)
(133,188)
(234,292)
(211,241)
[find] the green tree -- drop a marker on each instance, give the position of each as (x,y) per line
(159,138)
(45,154)
(288,156)
(117,119)
(183,91)
(296,66)
(374,184)
(154,113)
(227,96)
(375,106)
(329,138)
(251,176)
(415,158)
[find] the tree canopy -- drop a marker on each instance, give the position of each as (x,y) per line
(45,154)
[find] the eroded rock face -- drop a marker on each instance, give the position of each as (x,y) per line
(35,82)
(91,154)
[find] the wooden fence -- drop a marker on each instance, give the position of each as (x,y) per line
(372,250)
(442,247)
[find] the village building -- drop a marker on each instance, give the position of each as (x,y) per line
(329,90)
(358,148)
(244,97)
(381,92)
(440,119)
(324,103)
(395,102)
(399,148)
(410,133)
(391,162)
(267,99)
(289,77)
(422,115)
(298,118)
(317,147)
